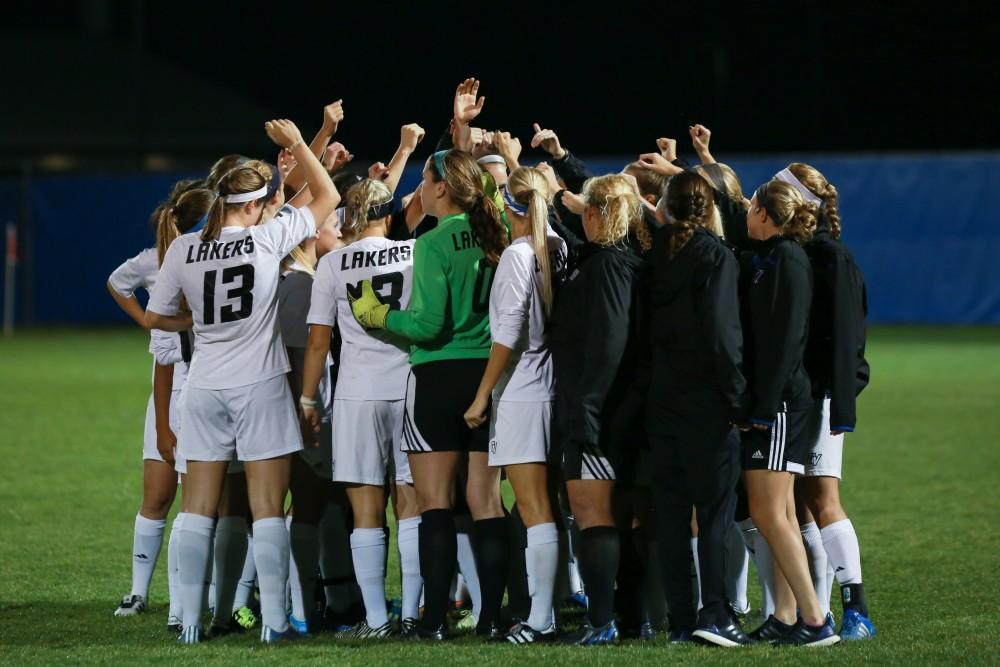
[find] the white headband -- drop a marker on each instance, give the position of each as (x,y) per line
(787,176)
(492,158)
(241,197)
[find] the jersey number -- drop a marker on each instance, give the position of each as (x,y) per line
(244,293)
(393,280)
(481,291)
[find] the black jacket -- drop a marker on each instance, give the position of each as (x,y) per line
(572,171)
(777,280)
(596,340)
(835,353)
(697,338)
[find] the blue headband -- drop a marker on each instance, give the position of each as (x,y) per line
(200,225)
(508,198)
(439,162)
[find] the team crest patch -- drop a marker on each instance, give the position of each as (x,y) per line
(815,458)
(493,446)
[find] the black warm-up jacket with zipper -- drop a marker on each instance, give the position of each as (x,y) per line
(777,294)
(835,353)
(696,335)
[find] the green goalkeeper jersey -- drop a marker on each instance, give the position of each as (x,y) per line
(448,315)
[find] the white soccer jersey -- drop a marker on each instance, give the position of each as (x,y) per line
(373,365)
(140,271)
(517,319)
(230,285)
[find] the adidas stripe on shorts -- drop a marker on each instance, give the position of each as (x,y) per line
(781,447)
(437,395)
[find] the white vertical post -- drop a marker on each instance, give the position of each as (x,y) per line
(10,270)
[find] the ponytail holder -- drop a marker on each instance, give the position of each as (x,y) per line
(508,199)
(439,163)
(379,211)
(200,224)
(786,176)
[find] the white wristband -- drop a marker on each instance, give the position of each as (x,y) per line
(293,146)
(310,403)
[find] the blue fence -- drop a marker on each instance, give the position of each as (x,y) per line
(922,227)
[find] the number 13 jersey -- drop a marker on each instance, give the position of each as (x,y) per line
(230,285)
(373,364)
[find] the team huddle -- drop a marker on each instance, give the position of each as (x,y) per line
(662,369)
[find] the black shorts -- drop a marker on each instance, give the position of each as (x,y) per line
(782,447)
(616,454)
(437,395)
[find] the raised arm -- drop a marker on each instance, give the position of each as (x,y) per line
(409,136)
(333,113)
(700,137)
(324,194)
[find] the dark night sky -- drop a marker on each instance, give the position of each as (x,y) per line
(764,76)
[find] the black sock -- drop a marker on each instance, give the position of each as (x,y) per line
(518,600)
(598,562)
(628,596)
(438,548)
(853,597)
(490,543)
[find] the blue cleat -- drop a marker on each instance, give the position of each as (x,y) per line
(269,635)
(807,635)
(578,599)
(830,622)
(190,635)
(588,635)
(856,626)
(299,626)
(729,635)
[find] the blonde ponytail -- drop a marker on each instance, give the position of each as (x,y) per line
(178,216)
(538,214)
(793,215)
(618,205)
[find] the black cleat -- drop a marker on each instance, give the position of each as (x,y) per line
(770,631)
(808,635)
(729,635)
(422,634)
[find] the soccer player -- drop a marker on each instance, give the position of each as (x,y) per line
(779,292)
(447,323)
(835,360)
(520,382)
(181,211)
(237,397)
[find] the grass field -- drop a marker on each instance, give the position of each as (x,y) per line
(921,486)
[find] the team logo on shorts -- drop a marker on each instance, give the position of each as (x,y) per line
(815,458)
(493,446)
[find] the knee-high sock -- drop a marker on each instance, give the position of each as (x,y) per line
(248,578)
(598,558)
(147,538)
(491,541)
(408,542)
(173,572)
(194,545)
(813,541)
(467,567)
(737,568)
(230,555)
(304,541)
(841,544)
(368,547)
(765,573)
(336,562)
(542,557)
(697,572)
(518,572)
(437,563)
(270,551)
(573,578)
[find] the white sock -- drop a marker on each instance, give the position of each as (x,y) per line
(542,561)
(749,533)
(830,577)
(335,558)
(573,577)
(697,569)
(467,566)
(841,544)
(369,548)
(173,577)
(765,573)
(248,578)
(408,542)
(737,568)
(147,538)
(194,547)
(230,556)
(304,540)
(270,551)
(813,541)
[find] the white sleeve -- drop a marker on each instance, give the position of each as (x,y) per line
(166,294)
(288,228)
(133,273)
(165,346)
(511,293)
(323,302)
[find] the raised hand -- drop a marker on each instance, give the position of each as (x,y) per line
(468,104)
(283,132)
(336,156)
(548,140)
(286,162)
(409,136)
(658,163)
(333,113)
(668,148)
(550,176)
(378,172)
(509,148)
(700,138)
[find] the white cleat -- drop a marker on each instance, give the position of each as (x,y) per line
(131,605)
(190,635)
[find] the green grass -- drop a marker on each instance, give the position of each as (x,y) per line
(921,486)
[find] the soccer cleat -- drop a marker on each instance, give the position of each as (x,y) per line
(269,635)
(807,635)
(245,618)
(422,634)
(300,627)
(681,636)
(729,635)
(394,608)
(855,626)
(466,620)
(588,635)
(174,624)
(407,627)
(522,633)
(490,632)
(770,631)
(191,635)
(578,600)
(131,605)
(363,631)
(830,622)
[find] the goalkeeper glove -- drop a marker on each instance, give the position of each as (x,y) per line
(368,310)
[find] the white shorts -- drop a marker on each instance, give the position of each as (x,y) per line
(366,442)
(320,458)
(253,423)
(520,432)
(826,457)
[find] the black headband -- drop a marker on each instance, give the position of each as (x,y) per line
(379,211)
